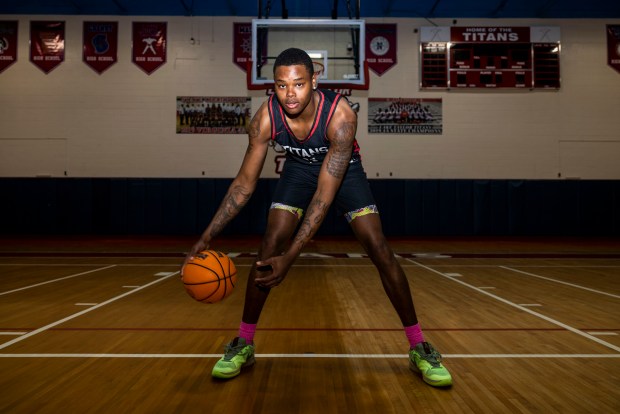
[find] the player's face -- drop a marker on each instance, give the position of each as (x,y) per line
(293,87)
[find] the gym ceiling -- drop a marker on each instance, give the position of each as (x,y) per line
(426,9)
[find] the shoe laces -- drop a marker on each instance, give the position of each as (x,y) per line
(430,355)
(231,349)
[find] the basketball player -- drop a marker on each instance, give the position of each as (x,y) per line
(323,166)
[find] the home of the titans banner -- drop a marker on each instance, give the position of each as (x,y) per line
(490,34)
(493,34)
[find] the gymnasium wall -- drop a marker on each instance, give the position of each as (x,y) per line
(108,142)
(121,123)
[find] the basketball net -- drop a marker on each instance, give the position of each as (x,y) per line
(318,70)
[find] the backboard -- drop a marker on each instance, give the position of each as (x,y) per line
(337,45)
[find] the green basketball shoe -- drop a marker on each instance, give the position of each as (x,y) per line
(237,355)
(427,361)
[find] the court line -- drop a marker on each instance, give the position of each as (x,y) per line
(315,265)
(524,309)
(85,311)
(308,355)
(530,266)
(97,264)
(55,280)
(298,329)
(561,282)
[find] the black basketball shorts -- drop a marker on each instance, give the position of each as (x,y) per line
(298,184)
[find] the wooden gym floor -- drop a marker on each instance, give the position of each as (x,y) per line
(103,325)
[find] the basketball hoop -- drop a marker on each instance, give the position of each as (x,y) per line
(319,69)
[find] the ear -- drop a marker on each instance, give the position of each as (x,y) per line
(314,82)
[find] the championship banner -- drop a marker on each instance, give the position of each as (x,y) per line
(380,47)
(213,115)
(100,45)
(405,116)
(8,44)
(613,46)
(47,44)
(148,50)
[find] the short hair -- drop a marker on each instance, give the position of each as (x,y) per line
(294,56)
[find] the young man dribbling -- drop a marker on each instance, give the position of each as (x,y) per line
(323,167)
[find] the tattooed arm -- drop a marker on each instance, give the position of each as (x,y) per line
(243,185)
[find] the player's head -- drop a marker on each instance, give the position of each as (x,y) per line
(294,56)
(294,81)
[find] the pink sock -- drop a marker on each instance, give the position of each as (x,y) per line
(246,331)
(414,334)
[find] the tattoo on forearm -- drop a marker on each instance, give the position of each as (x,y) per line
(315,215)
(233,202)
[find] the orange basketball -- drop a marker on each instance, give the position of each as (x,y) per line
(210,276)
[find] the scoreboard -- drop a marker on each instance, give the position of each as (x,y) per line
(490,57)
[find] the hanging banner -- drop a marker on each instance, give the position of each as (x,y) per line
(242,44)
(100,45)
(613,46)
(380,47)
(148,50)
(405,116)
(213,114)
(47,44)
(8,44)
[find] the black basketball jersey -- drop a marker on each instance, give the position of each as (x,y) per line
(313,148)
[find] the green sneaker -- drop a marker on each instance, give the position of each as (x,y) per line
(237,355)
(426,360)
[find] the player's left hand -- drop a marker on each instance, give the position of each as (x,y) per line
(271,272)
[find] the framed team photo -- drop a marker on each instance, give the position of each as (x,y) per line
(404,116)
(213,114)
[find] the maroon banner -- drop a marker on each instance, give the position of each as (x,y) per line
(8,44)
(490,34)
(380,47)
(47,44)
(242,44)
(100,45)
(613,46)
(148,49)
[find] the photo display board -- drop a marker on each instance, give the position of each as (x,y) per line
(490,57)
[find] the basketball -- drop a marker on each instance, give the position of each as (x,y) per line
(210,276)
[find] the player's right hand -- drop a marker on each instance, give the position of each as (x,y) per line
(198,247)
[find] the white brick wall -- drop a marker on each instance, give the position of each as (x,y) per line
(122,123)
